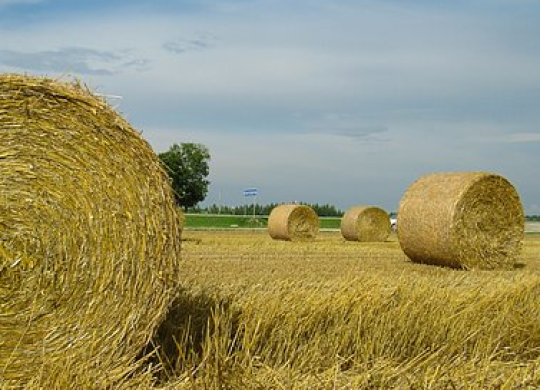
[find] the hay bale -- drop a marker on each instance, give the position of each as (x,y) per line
(366,224)
(462,220)
(293,222)
(89,234)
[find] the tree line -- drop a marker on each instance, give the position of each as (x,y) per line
(188,170)
(322,210)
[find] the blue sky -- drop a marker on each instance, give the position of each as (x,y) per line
(343,102)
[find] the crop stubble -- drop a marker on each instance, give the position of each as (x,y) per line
(351,315)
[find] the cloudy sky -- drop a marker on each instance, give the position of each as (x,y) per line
(322,101)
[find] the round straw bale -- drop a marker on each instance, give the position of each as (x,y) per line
(89,234)
(470,220)
(293,222)
(365,223)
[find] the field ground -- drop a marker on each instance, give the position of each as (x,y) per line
(255,313)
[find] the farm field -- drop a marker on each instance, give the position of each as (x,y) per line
(255,313)
(220,221)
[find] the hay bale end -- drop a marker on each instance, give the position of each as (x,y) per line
(366,224)
(293,222)
(470,220)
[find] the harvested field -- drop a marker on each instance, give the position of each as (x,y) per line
(260,313)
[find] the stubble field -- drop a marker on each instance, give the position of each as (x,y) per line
(255,313)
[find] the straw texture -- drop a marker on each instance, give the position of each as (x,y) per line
(293,222)
(366,224)
(471,220)
(89,234)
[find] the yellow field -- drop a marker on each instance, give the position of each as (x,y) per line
(255,313)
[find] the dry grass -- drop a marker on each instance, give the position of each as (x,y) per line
(255,313)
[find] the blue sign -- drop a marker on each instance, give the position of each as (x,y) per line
(250,192)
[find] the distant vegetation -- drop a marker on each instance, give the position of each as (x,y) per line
(325,210)
(224,221)
(188,168)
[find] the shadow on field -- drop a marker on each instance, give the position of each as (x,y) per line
(179,343)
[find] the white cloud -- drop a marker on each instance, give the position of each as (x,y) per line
(534,209)
(501,135)
(360,52)
(521,138)
(4,3)
(197,42)
(78,60)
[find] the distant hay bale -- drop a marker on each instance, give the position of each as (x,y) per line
(89,234)
(366,224)
(471,220)
(293,222)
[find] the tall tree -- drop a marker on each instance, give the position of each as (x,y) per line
(187,165)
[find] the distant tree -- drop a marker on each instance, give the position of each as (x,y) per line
(187,165)
(326,210)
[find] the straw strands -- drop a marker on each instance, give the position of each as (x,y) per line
(463,220)
(89,235)
(366,224)
(293,222)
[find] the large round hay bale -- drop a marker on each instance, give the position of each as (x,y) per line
(471,220)
(293,222)
(366,224)
(89,234)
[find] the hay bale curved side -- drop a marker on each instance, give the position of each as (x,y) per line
(89,234)
(462,220)
(366,224)
(293,222)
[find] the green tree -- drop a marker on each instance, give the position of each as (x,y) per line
(187,165)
